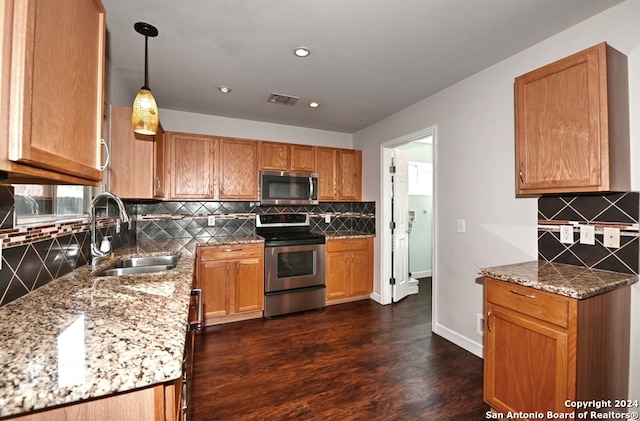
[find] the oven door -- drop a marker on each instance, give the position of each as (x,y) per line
(291,267)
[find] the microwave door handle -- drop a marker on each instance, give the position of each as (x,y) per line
(310,188)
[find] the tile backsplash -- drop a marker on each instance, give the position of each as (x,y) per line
(618,210)
(33,256)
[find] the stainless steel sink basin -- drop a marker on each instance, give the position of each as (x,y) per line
(137,265)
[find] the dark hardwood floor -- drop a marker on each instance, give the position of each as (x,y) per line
(355,361)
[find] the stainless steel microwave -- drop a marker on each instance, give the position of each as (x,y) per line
(288,188)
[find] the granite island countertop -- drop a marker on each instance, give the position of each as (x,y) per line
(340,235)
(562,279)
(82,337)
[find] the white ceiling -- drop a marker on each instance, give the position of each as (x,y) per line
(369,58)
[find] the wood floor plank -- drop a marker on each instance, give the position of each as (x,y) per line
(353,361)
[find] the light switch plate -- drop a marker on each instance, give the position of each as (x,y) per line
(211,220)
(327,218)
(461,226)
(587,234)
(611,237)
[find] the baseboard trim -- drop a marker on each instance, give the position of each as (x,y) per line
(462,341)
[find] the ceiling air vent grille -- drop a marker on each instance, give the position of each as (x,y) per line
(283,99)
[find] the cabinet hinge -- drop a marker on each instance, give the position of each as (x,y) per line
(392,225)
(392,281)
(392,169)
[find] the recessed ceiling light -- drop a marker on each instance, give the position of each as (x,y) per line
(301,52)
(314,105)
(224,89)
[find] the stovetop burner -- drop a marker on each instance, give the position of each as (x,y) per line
(286,229)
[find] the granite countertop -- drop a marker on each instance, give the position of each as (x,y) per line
(562,279)
(82,337)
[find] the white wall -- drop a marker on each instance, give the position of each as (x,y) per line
(474,172)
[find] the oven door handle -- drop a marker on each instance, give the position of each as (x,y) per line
(197,324)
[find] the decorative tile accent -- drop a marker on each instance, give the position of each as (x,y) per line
(619,210)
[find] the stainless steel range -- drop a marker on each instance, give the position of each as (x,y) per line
(293,263)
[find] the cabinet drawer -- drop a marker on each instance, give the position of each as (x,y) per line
(231,251)
(542,305)
(347,244)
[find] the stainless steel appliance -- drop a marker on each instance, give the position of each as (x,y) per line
(293,264)
(288,188)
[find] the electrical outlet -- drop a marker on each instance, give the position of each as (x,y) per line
(211,220)
(587,234)
(611,237)
(327,218)
(566,234)
(118,226)
(461,226)
(480,324)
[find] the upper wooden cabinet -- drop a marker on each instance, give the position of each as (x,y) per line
(52,90)
(287,157)
(131,165)
(191,166)
(238,164)
(340,174)
(572,125)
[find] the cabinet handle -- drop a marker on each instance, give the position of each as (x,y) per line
(521,174)
(489,314)
(227,268)
(230,250)
(349,242)
(521,294)
(157,184)
(237,268)
(107,158)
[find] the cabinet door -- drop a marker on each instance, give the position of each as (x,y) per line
(191,166)
(326,166)
(274,156)
(131,167)
(57,71)
(338,273)
(349,175)
(238,164)
(361,282)
(213,278)
(249,285)
(303,158)
(526,363)
(561,125)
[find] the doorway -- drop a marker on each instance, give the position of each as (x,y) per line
(415,256)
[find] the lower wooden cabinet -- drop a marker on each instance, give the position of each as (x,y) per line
(232,281)
(542,349)
(349,269)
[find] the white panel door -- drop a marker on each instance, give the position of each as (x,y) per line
(400,188)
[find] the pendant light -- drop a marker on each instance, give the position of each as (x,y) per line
(145,110)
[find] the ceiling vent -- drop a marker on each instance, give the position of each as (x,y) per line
(283,99)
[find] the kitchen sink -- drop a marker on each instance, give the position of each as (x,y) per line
(137,265)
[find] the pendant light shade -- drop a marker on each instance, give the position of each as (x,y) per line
(145,109)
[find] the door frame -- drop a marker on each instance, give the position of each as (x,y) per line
(386,153)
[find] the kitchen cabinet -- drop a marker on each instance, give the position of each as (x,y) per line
(349,269)
(232,281)
(276,156)
(137,162)
(53,56)
(541,349)
(191,166)
(238,164)
(572,125)
(158,403)
(340,174)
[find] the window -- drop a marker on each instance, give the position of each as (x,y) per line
(39,203)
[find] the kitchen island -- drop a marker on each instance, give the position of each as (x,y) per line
(82,338)
(555,334)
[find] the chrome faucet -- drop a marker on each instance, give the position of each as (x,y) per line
(98,255)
